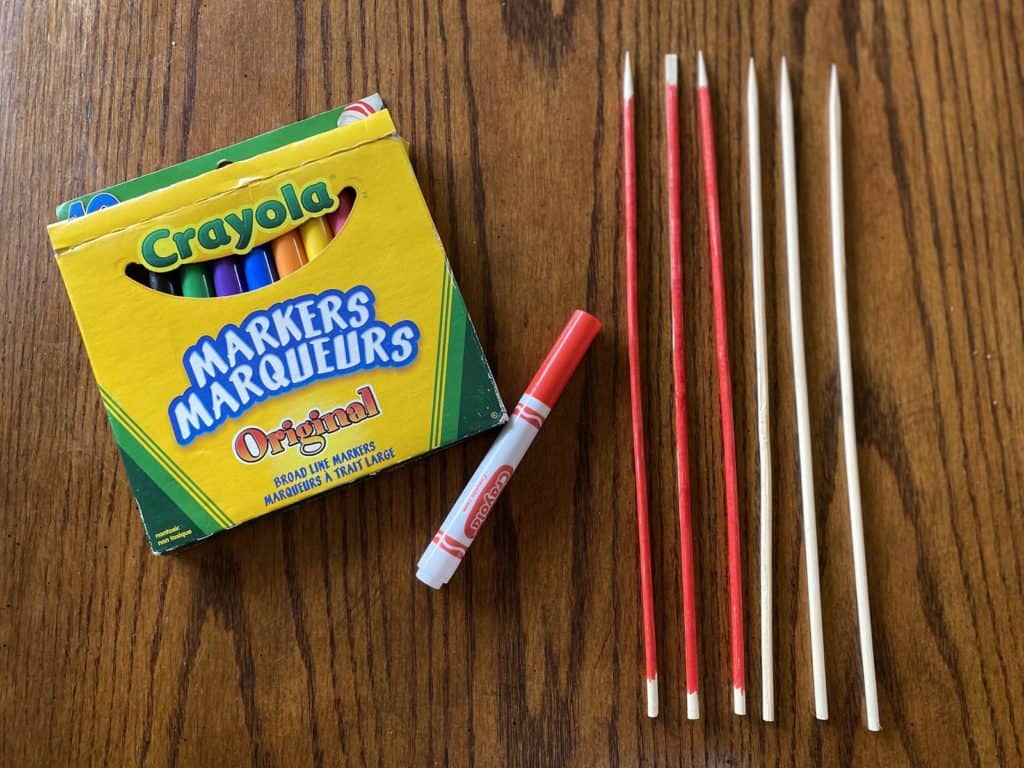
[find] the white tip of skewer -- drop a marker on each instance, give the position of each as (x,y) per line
(833,92)
(874,725)
(821,711)
(627,79)
(768,714)
(702,72)
(652,697)
(671,69)
(692,706)
(739,701)
(785,97)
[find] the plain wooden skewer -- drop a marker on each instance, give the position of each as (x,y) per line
(675,248)
(707,133)
(763,419)
(803,420)
(860,569)
(636,393)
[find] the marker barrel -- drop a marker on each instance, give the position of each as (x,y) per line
(195,281)
(289,255)
(258,268)
(336,219)
(443,555)
(227,277)
(316,235)
(161,281)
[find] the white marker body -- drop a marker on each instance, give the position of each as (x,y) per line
(357,110)
(443,555)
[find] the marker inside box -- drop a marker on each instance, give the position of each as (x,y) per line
(257,267)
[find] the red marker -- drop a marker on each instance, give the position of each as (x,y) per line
(457,532)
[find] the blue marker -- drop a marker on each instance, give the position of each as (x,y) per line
(259,268)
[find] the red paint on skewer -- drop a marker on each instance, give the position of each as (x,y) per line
(635,391)
(707,141)
(675,247)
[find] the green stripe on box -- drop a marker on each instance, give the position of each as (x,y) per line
(162,518)
(162,501)
(453,370)
(480,405)
(166,463)
(440,361)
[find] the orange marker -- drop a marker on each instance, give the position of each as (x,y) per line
(289,255)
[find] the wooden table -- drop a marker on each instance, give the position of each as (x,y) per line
(303,638)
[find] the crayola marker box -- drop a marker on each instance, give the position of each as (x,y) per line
(225,408)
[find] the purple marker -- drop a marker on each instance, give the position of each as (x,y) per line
(227,277)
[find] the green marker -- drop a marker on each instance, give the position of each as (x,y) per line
(195,281)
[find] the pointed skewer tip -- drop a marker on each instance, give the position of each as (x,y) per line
(834,106)
(702,73)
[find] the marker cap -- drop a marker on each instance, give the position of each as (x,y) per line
(436,567)
(558,367)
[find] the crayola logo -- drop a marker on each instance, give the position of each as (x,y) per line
(237,231)
(485,501)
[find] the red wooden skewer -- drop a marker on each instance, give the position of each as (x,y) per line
(636,394)
(707,142)
(675,249)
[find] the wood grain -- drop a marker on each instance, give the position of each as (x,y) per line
(303,639)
